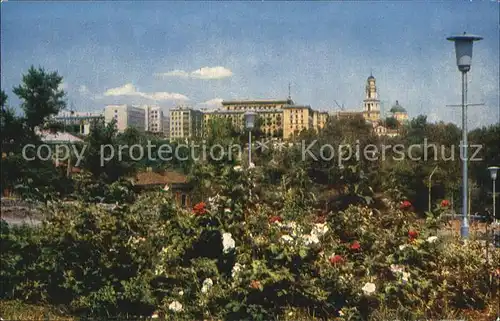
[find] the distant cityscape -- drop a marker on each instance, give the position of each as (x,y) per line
(281,119)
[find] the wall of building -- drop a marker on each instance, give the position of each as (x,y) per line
(126,116)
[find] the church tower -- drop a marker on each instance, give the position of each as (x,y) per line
(371,103)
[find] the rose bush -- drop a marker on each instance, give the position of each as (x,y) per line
(236,258)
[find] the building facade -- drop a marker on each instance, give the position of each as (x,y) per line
(371,111)
(126,116)
(399,113)
(154,119)
(277,118)
(77,122)
(371,103)
(166,126)
(185,122)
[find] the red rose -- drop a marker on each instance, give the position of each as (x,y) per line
(336,259)
(355,245)
(200,208)
(405,205)
(412,234)
(275,219)
(445,203)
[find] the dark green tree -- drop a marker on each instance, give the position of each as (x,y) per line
(102,144)
(41,96)
(391,123)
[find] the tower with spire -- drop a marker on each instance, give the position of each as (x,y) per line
(371,103)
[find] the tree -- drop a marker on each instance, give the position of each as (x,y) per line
(391,123)
(488,155)
(13,132)
(41,96)
(3,99)
(100,136)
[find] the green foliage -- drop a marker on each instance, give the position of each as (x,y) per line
(391,123)
(88,189)
(128,261)
(40,95)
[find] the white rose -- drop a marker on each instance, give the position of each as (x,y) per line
(320,229)
(369,288)
(287,238)
(175,306)
(402,247)
(311,239)
(236,270)
(207,285)
(432,239)
(228,242)
(396,268)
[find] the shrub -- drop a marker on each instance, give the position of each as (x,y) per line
(233,258)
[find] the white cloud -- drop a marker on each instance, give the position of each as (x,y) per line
(175,73)
(164,96)
(216,102)
(212,73)
(217,72)
(125,90)
(130,90)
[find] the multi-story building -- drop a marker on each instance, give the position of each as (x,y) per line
(126,116)
(166,127)
(297,118)
(78,122)
(269,112)
(273,116)
(154,119)
(185,122)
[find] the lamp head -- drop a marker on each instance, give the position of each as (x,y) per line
(493,172)
(250,119)
(463,50)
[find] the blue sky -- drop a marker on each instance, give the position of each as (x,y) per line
(198,53)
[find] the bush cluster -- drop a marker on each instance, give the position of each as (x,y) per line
(235,258)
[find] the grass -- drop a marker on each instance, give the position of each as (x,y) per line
(17,310)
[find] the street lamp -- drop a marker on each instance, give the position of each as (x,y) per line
(493,173)
(250,124)
(463,49)
(430,186)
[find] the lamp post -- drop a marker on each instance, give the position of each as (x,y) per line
(463,50)
(493,173)
(430,186)
(250,124)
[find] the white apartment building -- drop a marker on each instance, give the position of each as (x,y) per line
(154,119)
(126,116)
